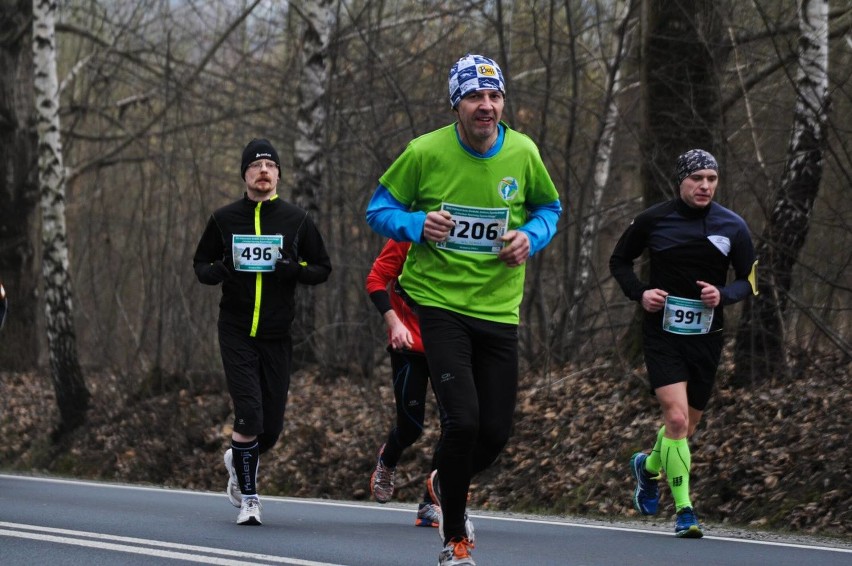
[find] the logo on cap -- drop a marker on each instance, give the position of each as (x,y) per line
(259,155)
(487,70)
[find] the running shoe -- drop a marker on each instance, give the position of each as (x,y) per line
(233,492)
(249,512)
(646,496)
(381,482)
(428,515)
(686,524)
(434,487)
(457,553)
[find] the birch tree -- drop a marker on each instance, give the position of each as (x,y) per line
(760,351)
(308,155)
(72,396)
(312,116)
(600,167)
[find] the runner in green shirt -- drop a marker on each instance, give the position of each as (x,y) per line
(476,201)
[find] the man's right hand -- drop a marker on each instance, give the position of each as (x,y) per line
(438,225)
(219,271)
(654,299)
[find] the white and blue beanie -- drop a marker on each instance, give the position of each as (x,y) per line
(474,72)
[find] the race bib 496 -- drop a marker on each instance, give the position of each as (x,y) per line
(256,253)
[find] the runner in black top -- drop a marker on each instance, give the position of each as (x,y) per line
(258,248)
(692,242)
(3,306)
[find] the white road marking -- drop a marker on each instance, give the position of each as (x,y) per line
(160,549)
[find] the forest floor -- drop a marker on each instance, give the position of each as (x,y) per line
(775,458)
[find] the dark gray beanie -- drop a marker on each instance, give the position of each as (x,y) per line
(258,148)
(694,160)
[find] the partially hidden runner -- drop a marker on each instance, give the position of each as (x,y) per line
(410,374)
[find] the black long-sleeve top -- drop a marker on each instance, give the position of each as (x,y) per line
(261,303)
(685,245)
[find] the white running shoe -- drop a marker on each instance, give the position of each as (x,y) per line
(233,492)
(434,487)
(468,527)
(457,553)
(249,512)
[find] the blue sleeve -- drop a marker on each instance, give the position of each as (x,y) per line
(392,219)
(541,226)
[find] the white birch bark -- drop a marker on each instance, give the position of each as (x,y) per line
(602,166)
(312,115)
(760,350)
(309,163)
(72,395)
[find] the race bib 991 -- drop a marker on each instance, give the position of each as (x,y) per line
(686,316)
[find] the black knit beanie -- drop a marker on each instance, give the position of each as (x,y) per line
(258,148)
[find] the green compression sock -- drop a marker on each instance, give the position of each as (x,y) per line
(653,463)
(677,461)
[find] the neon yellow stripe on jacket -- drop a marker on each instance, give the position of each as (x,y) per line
(258,278)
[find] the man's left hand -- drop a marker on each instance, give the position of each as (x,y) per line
(286,268)
(710,295)
(517,248)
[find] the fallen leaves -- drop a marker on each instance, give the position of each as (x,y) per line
(773,457)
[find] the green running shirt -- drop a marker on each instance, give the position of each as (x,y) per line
(484,195)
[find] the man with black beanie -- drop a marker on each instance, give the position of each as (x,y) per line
(258,247)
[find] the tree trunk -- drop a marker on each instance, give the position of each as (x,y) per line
(309,156)
(759,352)
(680,93)
(680,98)
(312,117)
(589,216)
(72,396)
(20,346)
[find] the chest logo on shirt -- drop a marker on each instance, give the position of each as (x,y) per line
(508,188)
(722,243)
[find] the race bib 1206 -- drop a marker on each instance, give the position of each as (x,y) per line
(476,230)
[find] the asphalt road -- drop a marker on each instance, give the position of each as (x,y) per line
(62,522)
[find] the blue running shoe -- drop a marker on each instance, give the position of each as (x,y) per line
(428,515)
(646,496)
(686,525)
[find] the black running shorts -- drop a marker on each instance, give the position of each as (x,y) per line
(671,358)
(258,376)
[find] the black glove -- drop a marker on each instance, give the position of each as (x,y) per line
(219,271)
(287,269)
